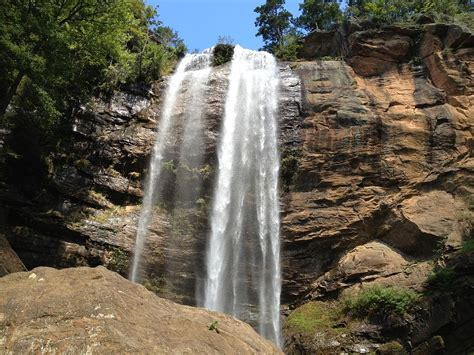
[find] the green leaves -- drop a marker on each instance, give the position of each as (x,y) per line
(56,54)
(382,300)
(273,23)
(319,15)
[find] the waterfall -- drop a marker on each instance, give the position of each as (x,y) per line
(195,68)
(243,249)
(243,256)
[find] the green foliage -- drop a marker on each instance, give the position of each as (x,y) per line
(313,316)
(445,7)
(387,11)
(289,48)
(465,19)
(222,54)
(319,15)
(273,23)
(118,261)
(380,300)
(288,166)
(441,279)
(55,54)
(214,326)
(468,246)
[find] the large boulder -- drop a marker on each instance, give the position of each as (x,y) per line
(95,311)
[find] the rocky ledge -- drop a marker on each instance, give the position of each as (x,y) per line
(95,311)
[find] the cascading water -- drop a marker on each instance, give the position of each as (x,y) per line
(194,68)
(243,258)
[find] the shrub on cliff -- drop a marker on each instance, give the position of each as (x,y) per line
(389,11)
(222,54)
(381,300)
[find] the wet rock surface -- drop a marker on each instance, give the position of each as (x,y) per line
(96,311)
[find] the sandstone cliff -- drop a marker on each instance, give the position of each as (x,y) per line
(383,189)
(377,184)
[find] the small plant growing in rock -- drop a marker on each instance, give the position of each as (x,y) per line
(441,279)
(118,261)
(416,61)
(288,167)
(214,326)
(382,300)
(468,246)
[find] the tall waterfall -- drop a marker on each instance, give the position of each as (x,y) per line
(243,257)
(195,68)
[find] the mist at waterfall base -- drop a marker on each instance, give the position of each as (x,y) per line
(242,258)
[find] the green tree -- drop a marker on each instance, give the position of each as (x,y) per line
(319,15)
(290,46)
(72,48)
(273,23)
(388,11)
(55,54)
(63,45)
(447,7)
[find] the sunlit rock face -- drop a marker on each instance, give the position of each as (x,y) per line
(376,159)
(374,136)
(384,181)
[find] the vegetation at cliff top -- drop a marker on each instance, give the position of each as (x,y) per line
(282,33)
(222,54)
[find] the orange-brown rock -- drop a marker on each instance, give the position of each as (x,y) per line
(386,157)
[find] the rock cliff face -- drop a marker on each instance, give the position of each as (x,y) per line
(95,311)
(377,181)
(386,152)
(384,184)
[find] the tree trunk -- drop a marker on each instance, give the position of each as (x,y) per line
(5,101)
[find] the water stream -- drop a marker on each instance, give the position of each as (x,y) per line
(195,68)
(243,247)
(243,258)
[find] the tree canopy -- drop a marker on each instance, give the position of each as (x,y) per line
(282,33)
(67,49)
(318,15)
(55,54)
(273,23)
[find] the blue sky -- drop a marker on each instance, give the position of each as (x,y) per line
(201,22)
